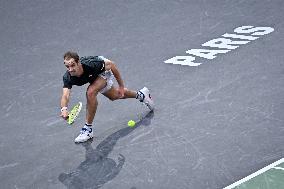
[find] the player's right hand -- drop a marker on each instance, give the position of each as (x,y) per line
(64,114)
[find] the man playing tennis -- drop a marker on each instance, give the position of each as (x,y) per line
(99,72)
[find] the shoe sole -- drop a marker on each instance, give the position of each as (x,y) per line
(150,107)
(84,141)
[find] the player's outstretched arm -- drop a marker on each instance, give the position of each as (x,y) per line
(64,102)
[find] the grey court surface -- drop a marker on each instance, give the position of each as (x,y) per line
(214,124)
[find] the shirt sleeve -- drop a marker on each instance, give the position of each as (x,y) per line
(66,81)
(98,64)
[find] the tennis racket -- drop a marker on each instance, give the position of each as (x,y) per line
(74,113)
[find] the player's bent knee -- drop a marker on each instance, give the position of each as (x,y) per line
(91,92)
(113,97)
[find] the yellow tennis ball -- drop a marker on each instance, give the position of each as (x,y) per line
(131,123)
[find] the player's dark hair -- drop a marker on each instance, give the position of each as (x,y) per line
(71,54)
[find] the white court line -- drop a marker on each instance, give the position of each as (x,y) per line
(279,168)
(255,174)
(9,165)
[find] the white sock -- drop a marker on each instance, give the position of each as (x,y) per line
(88,126)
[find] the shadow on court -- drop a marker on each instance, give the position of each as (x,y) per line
(98,169)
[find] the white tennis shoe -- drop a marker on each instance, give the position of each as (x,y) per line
(84,135)
(145,97)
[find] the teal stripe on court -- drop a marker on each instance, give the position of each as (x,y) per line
(269,177)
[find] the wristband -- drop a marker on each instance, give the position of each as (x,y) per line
(63,108)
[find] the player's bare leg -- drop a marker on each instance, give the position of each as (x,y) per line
(142,95)
(92,103)
(113,93)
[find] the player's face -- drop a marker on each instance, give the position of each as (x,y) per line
(72,67)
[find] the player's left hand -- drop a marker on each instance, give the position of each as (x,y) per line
(64,114)
(121,91)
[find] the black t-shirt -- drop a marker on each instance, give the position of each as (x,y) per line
(92,66)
